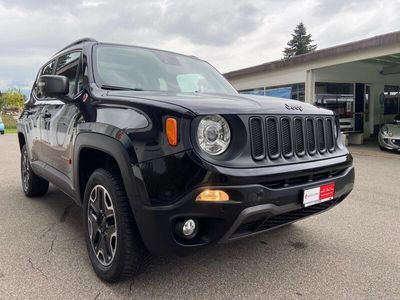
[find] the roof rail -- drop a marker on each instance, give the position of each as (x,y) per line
(80,41)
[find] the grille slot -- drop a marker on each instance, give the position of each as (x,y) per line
(330,137)
(257,138)
(299,136)
(321,136)
(272,138)
(310,136)
(286,137)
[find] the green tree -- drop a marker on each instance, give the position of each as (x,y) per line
(300,43)
(2,102)
(13,98)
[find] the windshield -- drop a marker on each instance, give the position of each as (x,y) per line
(118,67)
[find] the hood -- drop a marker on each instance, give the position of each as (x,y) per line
(205,103)
(394,128)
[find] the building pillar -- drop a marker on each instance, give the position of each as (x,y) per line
(310,87)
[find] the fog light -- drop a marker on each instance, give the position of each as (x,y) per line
(213,196)
(189,227)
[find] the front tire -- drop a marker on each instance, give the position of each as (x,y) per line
(113,241)
(33,185)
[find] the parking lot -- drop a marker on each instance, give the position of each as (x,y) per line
(352,251)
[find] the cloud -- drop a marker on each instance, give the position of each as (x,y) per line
(228,34)
(220,26)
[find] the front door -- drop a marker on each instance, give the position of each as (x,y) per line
(60,119)
(61,132)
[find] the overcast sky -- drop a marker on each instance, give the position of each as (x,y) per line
(230,34)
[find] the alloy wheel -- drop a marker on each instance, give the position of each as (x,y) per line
(25,170)
(102,225)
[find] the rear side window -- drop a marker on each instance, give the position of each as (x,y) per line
(68,65)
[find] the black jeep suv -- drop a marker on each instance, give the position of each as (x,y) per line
(165,156)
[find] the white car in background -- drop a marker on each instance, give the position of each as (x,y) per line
(389,135)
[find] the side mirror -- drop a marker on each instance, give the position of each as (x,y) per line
(54,86)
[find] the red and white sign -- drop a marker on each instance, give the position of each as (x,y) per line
(319,194)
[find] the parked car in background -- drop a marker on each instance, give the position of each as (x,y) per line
(2,127)
(389,135)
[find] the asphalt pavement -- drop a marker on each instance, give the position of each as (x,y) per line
(349,252)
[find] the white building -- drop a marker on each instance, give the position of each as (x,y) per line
(360,81)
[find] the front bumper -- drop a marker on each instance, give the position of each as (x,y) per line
(254,208)
(390,143)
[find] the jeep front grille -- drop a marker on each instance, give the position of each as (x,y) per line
(285,137)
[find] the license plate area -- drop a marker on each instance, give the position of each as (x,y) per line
(318,194)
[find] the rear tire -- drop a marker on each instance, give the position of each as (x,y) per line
(32,185)
(116,249)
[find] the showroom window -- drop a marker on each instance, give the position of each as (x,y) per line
(292,91)
(257,91)
(391,104)
(338,97)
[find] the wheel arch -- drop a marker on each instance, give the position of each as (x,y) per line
(21,140)
(107,148)
(122,152)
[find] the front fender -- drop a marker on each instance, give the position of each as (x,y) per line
(115,143)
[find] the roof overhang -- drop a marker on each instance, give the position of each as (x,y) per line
(375,42)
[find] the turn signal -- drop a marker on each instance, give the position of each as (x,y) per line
(213,196)
(171,129)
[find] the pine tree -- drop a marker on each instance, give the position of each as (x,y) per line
(300,42)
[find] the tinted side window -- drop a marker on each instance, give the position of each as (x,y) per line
(68,65)
(46,70)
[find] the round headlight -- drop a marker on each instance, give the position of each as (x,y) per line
(384,129)
(213,134)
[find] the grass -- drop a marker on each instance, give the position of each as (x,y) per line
(10,123)
(10,130)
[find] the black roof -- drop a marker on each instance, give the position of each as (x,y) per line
(77,42)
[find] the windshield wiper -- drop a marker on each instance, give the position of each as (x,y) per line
(119,88)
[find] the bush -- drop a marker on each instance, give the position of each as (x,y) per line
(9,122)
